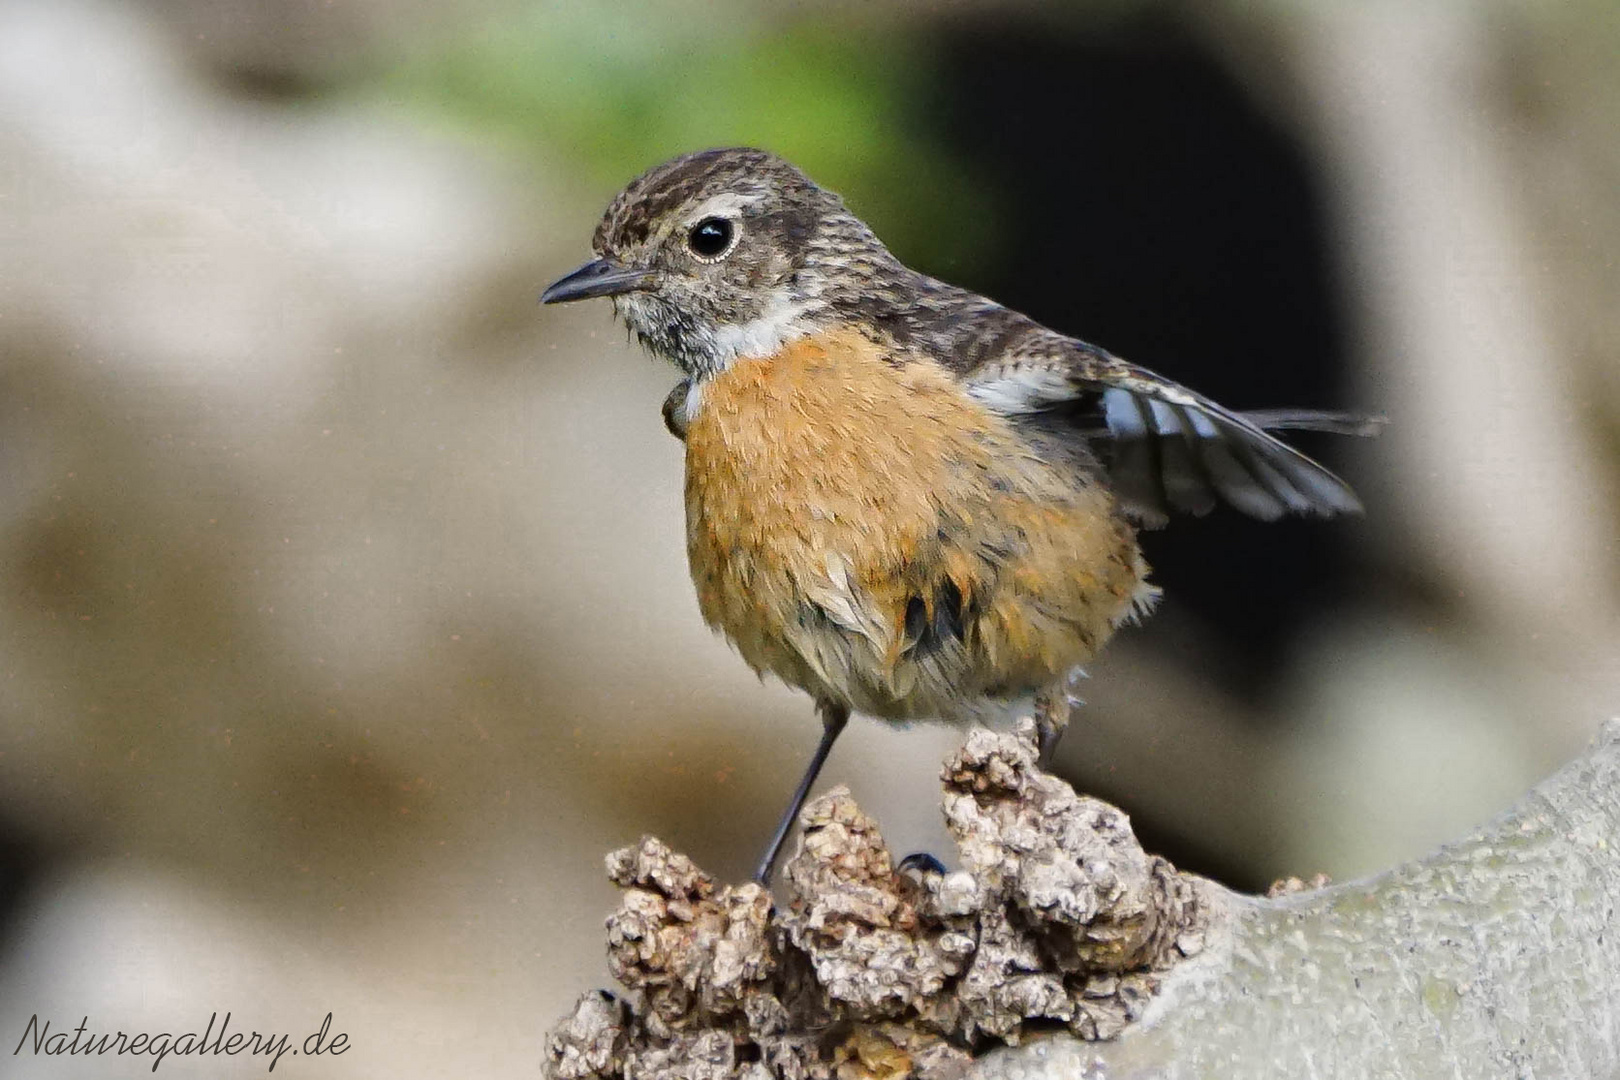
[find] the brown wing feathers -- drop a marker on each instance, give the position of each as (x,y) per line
(1172,450)
(1167,448)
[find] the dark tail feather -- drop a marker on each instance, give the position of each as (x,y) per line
(1335,423)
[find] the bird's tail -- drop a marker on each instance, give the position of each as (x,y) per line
(1336,423)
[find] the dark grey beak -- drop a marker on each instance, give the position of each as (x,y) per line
(596,278)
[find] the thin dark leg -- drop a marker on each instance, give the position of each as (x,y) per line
(1048,748)
(1051,720)
(833,719)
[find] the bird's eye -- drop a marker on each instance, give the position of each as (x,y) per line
(710,238)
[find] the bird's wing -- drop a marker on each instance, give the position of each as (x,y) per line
(1166,447)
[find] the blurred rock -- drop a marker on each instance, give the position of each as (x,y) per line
(344,615)
(277,47)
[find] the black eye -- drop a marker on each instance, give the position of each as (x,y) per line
(710,238)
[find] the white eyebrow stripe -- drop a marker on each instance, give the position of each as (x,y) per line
(725,204)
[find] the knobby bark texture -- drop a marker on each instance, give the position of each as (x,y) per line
(1061,950)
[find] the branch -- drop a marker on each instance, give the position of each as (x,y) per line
(1496,956)
(1061,950)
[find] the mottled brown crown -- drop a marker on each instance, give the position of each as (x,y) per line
(798,250)
(665,189)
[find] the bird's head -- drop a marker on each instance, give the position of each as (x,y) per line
(721,254)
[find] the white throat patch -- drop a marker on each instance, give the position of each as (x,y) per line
(781,323)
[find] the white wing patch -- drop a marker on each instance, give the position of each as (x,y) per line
(1022,389)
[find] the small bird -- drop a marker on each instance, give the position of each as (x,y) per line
(901,497)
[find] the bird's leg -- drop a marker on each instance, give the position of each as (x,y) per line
(833,719)
(1051,719)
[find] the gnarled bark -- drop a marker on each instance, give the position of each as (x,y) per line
(1061,950)
(1497,956)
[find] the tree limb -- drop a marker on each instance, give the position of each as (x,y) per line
(1061,950)
(1498,955)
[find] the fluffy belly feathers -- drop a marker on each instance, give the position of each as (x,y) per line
(910,570)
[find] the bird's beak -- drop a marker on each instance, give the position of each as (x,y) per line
(599,277)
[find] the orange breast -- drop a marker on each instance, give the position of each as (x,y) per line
(860,527)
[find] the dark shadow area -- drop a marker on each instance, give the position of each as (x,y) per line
(1149,206)
(21,864)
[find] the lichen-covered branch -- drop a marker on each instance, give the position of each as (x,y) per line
(1497,956)
(1061,949)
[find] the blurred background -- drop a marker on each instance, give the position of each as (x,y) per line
(344,617)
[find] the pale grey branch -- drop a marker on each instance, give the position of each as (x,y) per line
(1498,956)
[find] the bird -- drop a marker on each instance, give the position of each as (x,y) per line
(903,498)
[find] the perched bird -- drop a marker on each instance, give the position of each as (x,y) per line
(902,497)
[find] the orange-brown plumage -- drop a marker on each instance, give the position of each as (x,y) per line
(816,520)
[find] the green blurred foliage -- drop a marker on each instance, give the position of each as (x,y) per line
(613,89)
